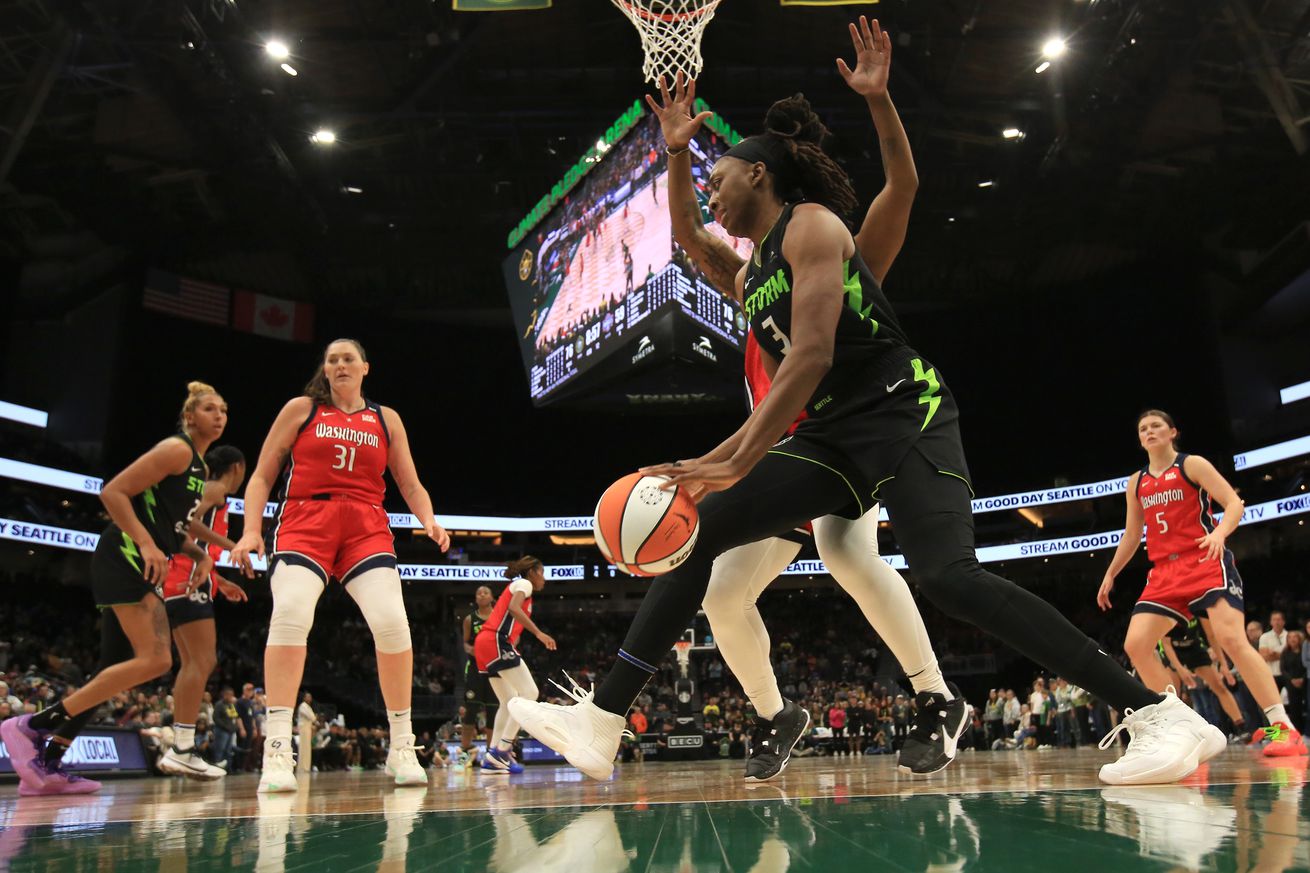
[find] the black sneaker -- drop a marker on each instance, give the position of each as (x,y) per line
(938,723)
(773,740)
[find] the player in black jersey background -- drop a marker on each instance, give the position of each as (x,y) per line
(479,699)
(882,426)
(152,505)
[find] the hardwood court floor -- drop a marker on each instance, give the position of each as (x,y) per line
(1003,811)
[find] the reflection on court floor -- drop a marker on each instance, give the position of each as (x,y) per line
(1002,811)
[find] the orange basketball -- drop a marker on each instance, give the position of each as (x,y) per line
(643,529)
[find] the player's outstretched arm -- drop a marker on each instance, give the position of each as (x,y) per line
(882,234)
(1132,538)
(714,256)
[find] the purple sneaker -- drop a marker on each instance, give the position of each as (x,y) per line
(57,780)
(25,745)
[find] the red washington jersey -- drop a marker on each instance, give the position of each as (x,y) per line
(500,622)
(340,454)
(1176,510)
(758,382)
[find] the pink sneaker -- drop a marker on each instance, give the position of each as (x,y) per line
(25,745)
(57,780)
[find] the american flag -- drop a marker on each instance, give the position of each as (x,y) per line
(186,298)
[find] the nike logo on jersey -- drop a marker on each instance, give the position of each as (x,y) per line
(195,469)
(891,388)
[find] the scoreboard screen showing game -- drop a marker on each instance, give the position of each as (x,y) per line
(588,281)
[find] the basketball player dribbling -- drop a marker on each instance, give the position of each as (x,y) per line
(849,549)
(151,504)
(189,600)
(882,425)
(335,445)
(498,658)
(1192,570)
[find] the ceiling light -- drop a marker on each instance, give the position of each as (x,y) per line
(277,50)
(351,189)
(324,137)
(1043,67)
(1012,133)
(289,70)
(986,183)
(951,219)
(1053,47)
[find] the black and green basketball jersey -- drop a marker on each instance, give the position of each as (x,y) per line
(167,507)
(1186,637)
(867,330)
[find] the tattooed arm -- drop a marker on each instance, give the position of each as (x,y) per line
(712,255)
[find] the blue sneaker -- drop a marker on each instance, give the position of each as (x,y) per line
(496,761)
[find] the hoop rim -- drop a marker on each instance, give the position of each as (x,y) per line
(634,8)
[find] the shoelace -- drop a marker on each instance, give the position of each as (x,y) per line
(1143,732)
(576,692)
(928,718)
(1276,733)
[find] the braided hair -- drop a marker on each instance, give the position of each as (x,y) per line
(802,169)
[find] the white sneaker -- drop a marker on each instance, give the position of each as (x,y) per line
(1168,741)
(279,772)
(403,764)
(190,765)
(587,736)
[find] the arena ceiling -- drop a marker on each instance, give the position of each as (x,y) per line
(160,132)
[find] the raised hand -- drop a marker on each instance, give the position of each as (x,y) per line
(676,120)
(873,59)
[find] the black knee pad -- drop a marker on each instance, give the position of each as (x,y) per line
(963,590)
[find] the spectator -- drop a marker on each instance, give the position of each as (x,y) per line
(1272,643)
(1294,676)
(246,712)
(1012,711)
(227,729)
(307,724)
(993,715)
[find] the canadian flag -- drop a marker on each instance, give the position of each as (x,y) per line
(273,317)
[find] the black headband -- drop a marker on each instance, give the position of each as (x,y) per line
(761,149)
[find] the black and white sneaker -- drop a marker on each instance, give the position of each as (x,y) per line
(773,740)
(185,762)
(933,738)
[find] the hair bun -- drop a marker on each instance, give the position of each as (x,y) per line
(198,389)
(793,118)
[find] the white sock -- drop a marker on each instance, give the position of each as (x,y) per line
(1277,714)
(184,737)
(400,723)
(929,678)
(279,730)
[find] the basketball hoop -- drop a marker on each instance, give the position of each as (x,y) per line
(671,31)
(682,648)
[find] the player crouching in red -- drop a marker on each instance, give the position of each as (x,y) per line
(335,445)
(1192,572)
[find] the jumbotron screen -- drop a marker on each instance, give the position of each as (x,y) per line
(590,276)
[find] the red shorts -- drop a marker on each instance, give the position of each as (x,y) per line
(493,653)
(338,538)
(179,575)
(1185,585)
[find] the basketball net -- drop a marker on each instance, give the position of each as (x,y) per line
(670,31)
(682,648)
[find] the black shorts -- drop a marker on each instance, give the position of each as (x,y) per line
(198,606)
(863,435)
(1193,657)
(478,696)
(116,567)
